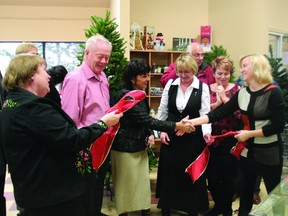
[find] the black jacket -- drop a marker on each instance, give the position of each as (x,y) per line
(135,125)
(40,142)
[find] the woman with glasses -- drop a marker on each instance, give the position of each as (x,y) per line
(185,95)
(223,170)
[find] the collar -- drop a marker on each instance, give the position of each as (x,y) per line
(194,84)
(89,73)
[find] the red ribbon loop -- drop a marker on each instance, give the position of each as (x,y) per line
(100,148)
(198,167)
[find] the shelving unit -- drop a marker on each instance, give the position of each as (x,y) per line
(157,60)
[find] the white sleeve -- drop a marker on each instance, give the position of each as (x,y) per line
(163,107)
(205,108)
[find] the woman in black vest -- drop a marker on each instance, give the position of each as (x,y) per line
(183,96)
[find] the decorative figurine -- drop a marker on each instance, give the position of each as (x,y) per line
(159,42)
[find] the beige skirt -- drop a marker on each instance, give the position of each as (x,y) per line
(131,181)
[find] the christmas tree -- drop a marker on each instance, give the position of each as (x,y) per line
(280,75)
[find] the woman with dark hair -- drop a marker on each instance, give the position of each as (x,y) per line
(57,74)
(129,155)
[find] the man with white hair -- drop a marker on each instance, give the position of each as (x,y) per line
(86,97)
(205,71)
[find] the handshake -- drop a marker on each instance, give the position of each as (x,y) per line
(184,126)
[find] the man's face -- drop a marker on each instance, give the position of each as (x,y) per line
(198,54)
(97,58)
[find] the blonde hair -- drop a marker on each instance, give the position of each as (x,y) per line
(260,67)
(25,48)
(187,62)
(20,69)
(222,62)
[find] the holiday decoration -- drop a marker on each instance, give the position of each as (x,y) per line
(159,42)
(135,37)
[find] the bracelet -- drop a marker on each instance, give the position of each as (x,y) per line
(102,124)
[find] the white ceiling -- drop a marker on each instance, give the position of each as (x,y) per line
(57,3)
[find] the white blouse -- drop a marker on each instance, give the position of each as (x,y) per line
(182,100)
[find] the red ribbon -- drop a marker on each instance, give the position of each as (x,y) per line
(100,148)
(198,167)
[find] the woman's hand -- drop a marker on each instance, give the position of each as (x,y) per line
(111,118)
(184,126)
(164,138)
(150,142)
(221,93)
(243,135)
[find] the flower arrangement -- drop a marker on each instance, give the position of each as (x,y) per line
(83,162)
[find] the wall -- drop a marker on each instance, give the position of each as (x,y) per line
(242,27)
(172,18)
(24,23)
(120,10)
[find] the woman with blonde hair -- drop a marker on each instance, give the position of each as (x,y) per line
(263,115)
(185,95)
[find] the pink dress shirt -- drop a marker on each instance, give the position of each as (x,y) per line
(85,97)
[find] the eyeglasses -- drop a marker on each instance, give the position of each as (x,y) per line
(181,72)
(197,55)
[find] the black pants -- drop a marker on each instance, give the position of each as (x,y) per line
(72,207)
(97,189)
(2,198)
(249,172)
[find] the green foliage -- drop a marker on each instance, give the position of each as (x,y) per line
(280,75)
(117,62)
(214,53)
(153,162)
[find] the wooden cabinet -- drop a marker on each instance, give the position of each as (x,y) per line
(158,60)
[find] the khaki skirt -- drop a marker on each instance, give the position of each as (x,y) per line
(131,181)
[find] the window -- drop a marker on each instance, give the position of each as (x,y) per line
(55,53)
(275,40)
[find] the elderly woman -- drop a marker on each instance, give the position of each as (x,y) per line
(41,143)
(129,153)
(263,114)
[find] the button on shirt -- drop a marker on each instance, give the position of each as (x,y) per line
(85,96)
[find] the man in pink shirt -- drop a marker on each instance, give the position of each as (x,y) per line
(86,97)
(205,71)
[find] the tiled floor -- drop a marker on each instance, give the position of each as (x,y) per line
(108,205)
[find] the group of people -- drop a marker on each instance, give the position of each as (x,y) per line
(42,135)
